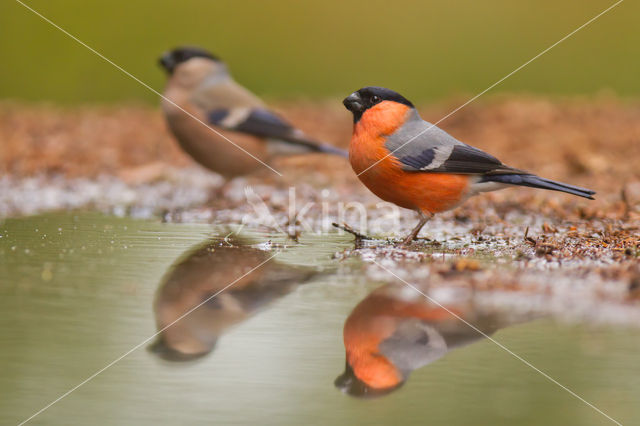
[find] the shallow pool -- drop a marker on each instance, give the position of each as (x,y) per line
(263,339)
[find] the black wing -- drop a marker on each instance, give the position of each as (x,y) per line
(459,158)
(264,123)
(259,122)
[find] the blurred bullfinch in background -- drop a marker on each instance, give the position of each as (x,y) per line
(204,272)
(396,330)
(407,161)
(200,84)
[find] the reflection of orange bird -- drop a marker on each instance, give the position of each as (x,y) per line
(205,272)
(396,330)
(405,160)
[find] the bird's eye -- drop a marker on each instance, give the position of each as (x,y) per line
(375,99)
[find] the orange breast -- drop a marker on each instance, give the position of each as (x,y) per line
(371,322)
(426,192)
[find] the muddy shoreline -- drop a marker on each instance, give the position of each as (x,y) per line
(121,161)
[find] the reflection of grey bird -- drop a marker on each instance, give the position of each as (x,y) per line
(200,83)
(390,333)
(205,272)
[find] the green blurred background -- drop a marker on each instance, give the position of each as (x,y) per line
(290,49)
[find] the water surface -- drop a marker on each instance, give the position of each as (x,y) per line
(78,291)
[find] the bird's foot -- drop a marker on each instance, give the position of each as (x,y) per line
(414,233)
(408,240)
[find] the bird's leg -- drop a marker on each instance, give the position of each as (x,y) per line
(412,236)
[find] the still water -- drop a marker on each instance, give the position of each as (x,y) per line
(300,339)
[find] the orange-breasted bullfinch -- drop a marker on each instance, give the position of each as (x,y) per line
(203,272)
(200,84)
(407,161)
(396,330)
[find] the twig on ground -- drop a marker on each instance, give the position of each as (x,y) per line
(346,228)
(528,239)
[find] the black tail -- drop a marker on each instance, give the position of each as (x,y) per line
(330,149)
(534,181)
(315,146)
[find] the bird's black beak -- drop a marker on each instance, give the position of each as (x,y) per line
(162,350)
(350,384)
(166,61)
(354,103)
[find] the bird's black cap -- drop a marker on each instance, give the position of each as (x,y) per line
(171,59)
(360,101)
(164,351)
(350,384)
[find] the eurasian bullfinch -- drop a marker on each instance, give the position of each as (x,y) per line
(396,330)
(407,161)
(200,84)
(202,273)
